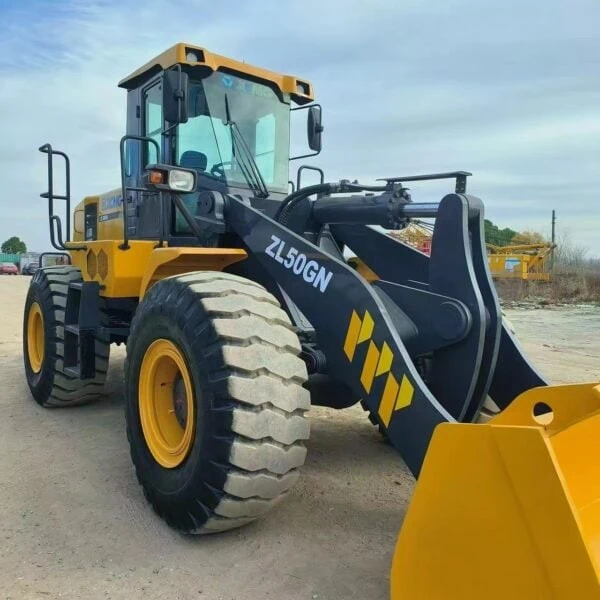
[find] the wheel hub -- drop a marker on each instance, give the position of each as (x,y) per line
(166,403)
(35,337)
(180,400)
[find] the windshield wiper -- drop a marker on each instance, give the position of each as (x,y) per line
(245,158)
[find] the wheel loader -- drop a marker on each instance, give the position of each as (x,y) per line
(232,289)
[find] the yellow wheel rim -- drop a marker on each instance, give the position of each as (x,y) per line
(166,403)
(35,337)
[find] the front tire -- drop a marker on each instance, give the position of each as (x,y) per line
(215,407)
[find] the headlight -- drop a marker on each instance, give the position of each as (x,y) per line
(168,178)
(181,181)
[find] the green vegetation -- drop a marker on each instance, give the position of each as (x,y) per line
(14,245)
(498,237)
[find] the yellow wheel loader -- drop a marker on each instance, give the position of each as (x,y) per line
(230,288)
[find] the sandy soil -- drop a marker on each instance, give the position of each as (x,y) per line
(563,342)
(74,523)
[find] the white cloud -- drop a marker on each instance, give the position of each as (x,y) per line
(500,88)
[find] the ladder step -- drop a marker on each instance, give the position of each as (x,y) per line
(72,372)
(77,330)
(76,285)
(76,373)
(54,196)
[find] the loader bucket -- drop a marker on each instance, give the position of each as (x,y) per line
(509,509)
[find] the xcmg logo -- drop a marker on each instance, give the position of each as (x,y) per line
(110,202)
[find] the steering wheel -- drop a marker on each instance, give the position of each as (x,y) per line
(218,170)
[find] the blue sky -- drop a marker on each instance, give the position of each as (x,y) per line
(507,89)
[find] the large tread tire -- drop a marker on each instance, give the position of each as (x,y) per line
(249,401)
(51,387)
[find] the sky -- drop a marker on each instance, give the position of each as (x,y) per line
(506,89)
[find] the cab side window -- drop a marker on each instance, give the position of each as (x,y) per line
(153,123)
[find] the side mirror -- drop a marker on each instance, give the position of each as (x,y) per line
(176,85)
(314,128)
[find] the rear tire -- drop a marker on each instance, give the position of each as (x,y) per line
(48,383)
(240,360)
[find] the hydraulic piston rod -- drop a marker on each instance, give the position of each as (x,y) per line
(419,210)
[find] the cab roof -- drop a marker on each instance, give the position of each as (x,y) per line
(300,90)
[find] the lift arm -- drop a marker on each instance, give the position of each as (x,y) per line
(353,327)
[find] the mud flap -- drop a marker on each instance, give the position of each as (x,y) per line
(510,508)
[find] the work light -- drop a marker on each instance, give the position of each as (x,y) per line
(168,178)
(181,181)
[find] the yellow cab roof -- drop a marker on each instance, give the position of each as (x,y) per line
(300,90)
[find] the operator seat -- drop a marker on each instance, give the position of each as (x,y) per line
(191,159)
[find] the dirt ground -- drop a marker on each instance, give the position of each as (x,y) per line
(74,523)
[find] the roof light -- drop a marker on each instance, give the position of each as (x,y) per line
(302,88)
(191,56)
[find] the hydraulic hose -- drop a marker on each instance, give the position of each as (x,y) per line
(288,203)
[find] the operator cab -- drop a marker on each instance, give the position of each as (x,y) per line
(226,121)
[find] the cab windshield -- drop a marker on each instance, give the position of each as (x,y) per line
(205,142)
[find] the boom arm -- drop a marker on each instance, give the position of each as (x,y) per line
(353,327)
(420,345)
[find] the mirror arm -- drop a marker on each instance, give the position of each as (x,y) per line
(304,156)
(168,130)
(179,93)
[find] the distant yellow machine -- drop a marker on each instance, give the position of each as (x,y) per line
(527,261)
(417,234)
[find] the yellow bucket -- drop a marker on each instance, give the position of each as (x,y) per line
(509,509)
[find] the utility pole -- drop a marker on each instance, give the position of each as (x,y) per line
(553,240)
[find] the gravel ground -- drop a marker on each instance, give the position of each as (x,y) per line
(74,523)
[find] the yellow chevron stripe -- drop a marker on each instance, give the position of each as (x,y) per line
(386,406)
(368,372)
(354,329)
(405,395)
(385,360)
(366,330)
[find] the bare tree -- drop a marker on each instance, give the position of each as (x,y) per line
(569,257)
(528,237)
